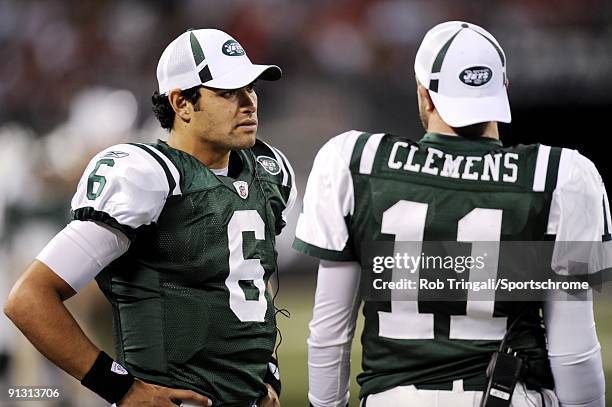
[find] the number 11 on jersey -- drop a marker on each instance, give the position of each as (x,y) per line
(406,221)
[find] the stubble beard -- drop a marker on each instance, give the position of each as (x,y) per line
(243,141)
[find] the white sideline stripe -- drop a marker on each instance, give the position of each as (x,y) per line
(369,153)
(566,162)
(287,166)
(348,144)
(539,178)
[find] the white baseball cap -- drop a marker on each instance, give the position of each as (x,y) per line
(464,68)
(208,57)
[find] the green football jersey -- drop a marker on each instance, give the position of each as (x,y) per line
(189,298)
(380,187)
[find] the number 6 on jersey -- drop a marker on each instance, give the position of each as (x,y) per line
(241,269)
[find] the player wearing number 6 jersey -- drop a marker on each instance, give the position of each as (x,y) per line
(180,238)
(458,183)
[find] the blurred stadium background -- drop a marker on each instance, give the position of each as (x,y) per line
(77,76)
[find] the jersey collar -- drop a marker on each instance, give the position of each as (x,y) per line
(460,142)
(241,167)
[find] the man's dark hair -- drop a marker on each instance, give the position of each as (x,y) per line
(163,110)
(472,131)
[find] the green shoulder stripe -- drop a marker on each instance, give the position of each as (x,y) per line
(553,168)
(357,151)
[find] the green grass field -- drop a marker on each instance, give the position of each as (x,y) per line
(297,297)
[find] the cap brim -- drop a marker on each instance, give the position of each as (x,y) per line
(460,112)
(242,76)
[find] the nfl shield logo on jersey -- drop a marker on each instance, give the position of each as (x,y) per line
(242,188)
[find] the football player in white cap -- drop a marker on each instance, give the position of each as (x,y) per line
(179,235)
(458,183)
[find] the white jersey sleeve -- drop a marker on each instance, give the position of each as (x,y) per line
(580,221)
(579,209)
(125,186)
(322,229)
(580,217)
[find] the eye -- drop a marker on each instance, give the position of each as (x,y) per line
(228,93)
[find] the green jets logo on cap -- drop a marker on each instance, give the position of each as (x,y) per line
(476,75)
(269,164)
(232,48)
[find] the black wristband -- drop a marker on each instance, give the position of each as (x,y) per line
(108,379)
(273,376)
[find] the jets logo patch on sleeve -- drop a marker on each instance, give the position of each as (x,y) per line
(269,164)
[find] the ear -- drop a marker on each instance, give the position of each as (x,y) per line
(426,101)
(182,108)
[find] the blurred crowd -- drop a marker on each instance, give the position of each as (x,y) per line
(77,76)
(50,50)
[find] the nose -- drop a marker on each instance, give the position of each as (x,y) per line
(248,99)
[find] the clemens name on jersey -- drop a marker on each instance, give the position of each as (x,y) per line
(493,166)
(189,299)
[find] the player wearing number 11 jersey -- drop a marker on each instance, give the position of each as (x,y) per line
(180,238)
(458,183)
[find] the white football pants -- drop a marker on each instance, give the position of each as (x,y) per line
(408,396)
